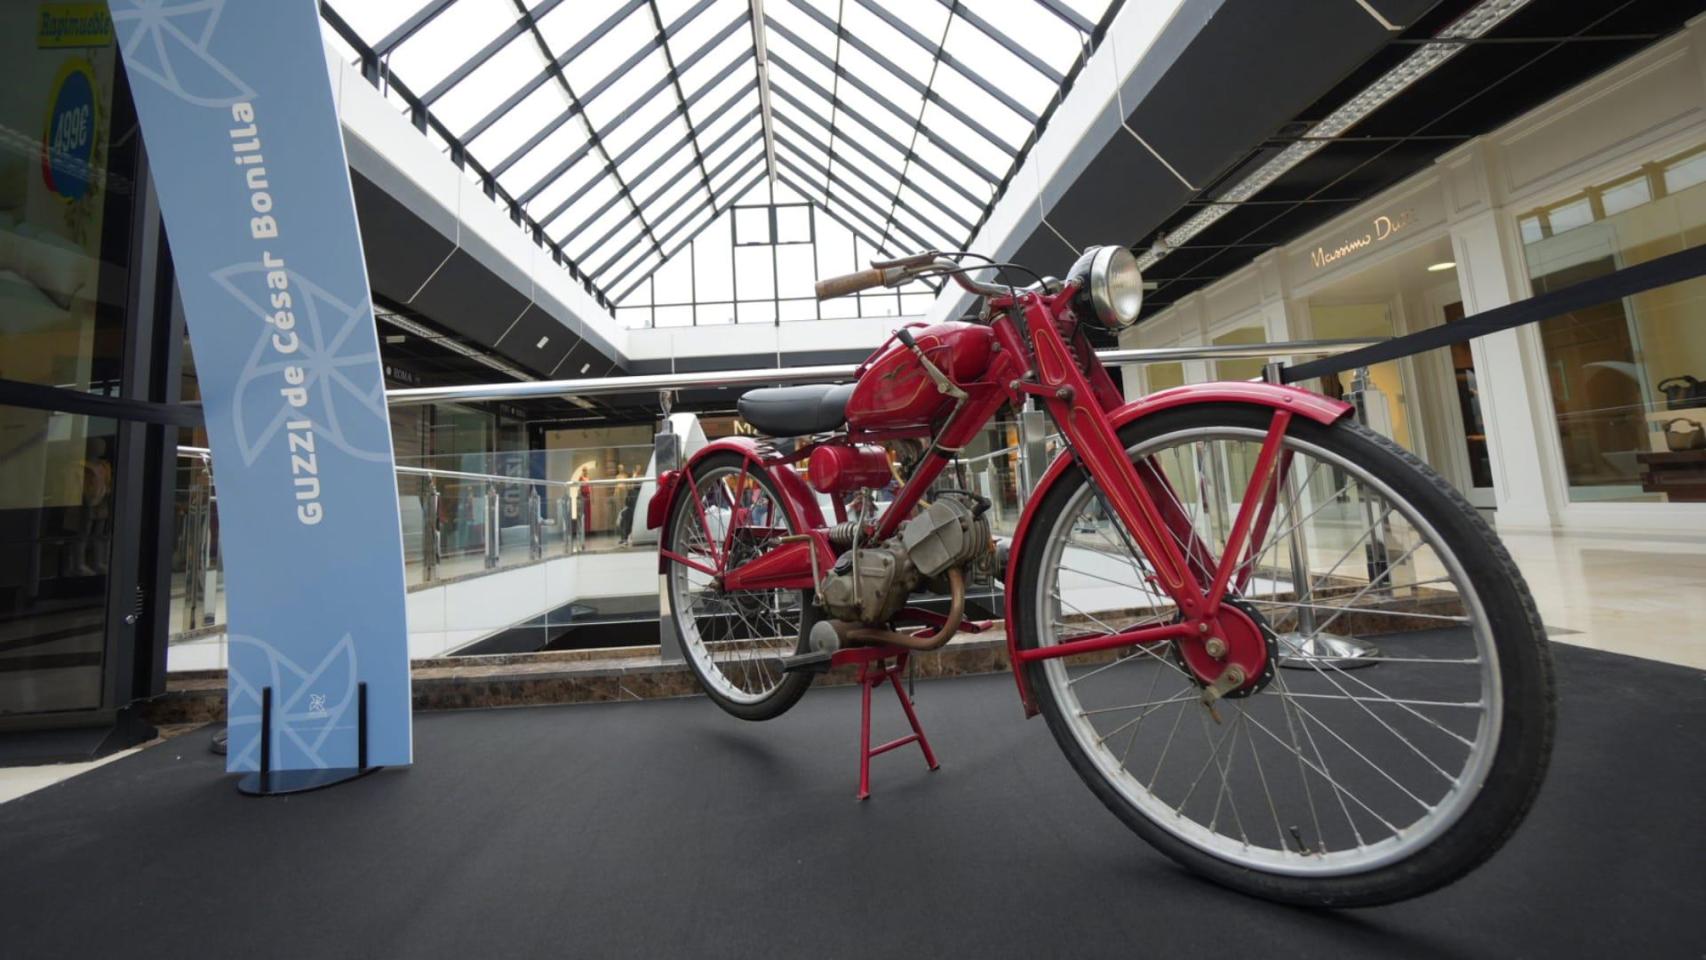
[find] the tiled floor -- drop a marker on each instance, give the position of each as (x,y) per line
(1642,597)
(17,781)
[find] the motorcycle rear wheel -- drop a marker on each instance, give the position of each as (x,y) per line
(734,641)
(1349,780)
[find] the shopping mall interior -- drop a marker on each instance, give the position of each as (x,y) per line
(1393,305)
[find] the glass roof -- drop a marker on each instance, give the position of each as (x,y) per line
(617,130)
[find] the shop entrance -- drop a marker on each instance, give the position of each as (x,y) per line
(1430,403)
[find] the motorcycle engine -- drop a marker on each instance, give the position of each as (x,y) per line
(870,585)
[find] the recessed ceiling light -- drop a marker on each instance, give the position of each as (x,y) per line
(541,344)
(585,367)
(1444,265)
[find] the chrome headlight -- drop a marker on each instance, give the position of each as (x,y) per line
(1116,286)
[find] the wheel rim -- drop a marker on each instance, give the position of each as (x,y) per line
(736,640)
(1325,771)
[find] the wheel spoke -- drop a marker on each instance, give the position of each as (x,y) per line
(735,639)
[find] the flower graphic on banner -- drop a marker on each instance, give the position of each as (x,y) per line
(333,335)
(303,712)
(167,43)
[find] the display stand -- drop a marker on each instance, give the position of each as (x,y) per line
(875,667)
(268,782)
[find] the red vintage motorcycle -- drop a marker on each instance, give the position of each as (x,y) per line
(1180,550)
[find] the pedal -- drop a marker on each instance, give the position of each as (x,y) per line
(815,650)
(816,661)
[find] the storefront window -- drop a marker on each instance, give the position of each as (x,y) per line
(55,110)
(63,220)
(1386,404)
(1622,374)
(56,521)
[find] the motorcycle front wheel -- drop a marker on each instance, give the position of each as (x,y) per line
(1408,728)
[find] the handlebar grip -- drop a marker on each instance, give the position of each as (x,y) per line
(849,283)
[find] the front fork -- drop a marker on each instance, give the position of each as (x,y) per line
(1226,651)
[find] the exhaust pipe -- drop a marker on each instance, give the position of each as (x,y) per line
(850,634)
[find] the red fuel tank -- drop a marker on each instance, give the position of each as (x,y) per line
(834,468)
(896,392)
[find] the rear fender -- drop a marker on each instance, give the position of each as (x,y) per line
(1302,403)
(797,500)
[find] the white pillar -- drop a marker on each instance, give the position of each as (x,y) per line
(1510,378)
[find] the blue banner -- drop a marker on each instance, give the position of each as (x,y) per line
(247,156)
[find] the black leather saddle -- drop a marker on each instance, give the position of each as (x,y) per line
(796,411)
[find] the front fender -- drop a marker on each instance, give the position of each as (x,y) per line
(1323,410)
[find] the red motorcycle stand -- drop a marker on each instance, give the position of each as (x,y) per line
(874,668)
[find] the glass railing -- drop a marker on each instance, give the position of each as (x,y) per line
(506,514)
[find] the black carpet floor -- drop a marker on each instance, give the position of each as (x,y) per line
(666,829)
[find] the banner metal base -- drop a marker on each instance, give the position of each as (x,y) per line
(267,782)
(277,783)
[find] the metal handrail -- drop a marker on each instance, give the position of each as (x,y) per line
(652,383)
(204,454)
(526,481)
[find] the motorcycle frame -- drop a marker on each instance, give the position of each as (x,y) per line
(1036,360)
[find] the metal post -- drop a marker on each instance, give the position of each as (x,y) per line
(1305,647)
(565,521)
(535,524)
(494,534)
(431,548)
(666,456)
(1033,449)
(1371,412)
(197,547)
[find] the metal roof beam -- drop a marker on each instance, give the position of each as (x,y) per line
(953,183)
(660,191)
(634,107)
(715,212)
(755,15)
(674,206)
(503,39)
(570,200)
(675,81)
(923,89)
(1072,17)
(941,55)
(788,168)
(993,32)
(562,78)
(830,175)
(409,26)
(883,165)
(881,101)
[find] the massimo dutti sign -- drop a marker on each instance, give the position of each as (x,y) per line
(1374,231)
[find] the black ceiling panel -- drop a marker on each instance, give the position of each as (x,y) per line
(537,340)
(470,299)
(401,251)
(1255,64)
(1045,253)
(1520,65)
(1401,11)
(1123,189)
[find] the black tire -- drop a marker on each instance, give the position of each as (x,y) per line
(1525,740)
(792,685)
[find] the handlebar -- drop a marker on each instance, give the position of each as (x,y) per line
(851,283)
(893,273)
